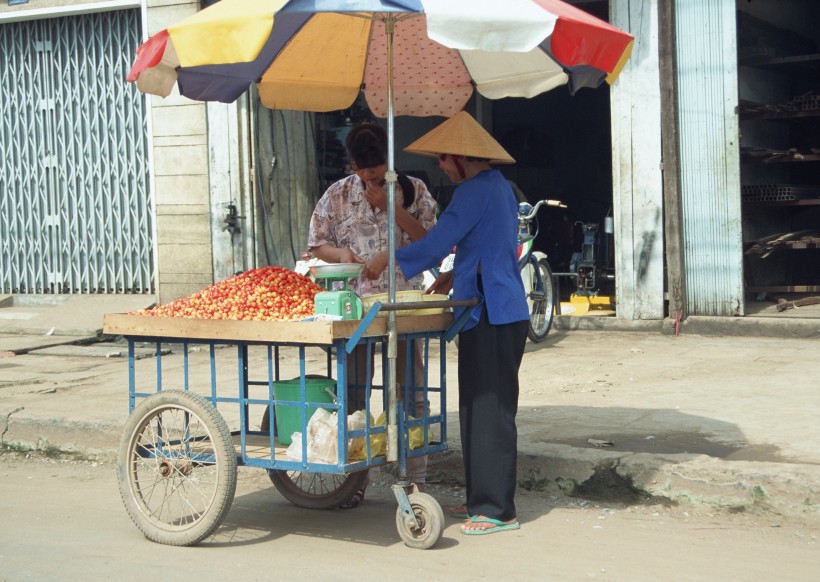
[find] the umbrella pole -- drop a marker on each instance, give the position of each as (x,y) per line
(392,339)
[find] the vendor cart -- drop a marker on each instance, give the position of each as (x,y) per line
(178,457)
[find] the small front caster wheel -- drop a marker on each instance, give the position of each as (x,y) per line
(429,522)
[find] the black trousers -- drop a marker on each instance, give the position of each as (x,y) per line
(489,357)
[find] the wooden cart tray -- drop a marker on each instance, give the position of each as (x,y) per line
(306,332)
(258,447)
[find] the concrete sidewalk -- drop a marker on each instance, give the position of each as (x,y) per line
(718,420)
(30,322)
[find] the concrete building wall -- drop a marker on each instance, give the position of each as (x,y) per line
(181,185)
(636,166)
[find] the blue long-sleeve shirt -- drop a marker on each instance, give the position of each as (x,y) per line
(482,222)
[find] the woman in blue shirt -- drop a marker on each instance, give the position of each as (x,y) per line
(481,221)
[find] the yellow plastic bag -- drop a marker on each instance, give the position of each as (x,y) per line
(355,446)
(356,450)
(417,436)
(378,442)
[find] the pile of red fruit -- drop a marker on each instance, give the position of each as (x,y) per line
(264,294)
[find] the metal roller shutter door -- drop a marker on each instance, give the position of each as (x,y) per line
(75,214)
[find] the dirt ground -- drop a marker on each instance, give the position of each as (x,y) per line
(64,520)
(749,400)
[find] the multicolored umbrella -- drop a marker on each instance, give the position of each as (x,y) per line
(410,57)
(317,55)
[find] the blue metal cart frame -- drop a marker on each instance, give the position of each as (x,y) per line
(173,437)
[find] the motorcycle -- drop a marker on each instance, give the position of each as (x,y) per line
(536,273)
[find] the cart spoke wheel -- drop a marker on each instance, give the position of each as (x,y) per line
(314,490)
(177,468)
(429,522)
(317,490)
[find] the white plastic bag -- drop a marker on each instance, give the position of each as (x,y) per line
(323,438)
(294,450)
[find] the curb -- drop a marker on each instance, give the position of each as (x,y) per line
(683,479)
(791,490)
(705,325)
(593,323)
(750,327)
(89,440)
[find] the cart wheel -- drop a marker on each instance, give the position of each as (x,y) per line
(314,490)
(177,468)
(430,520)
(317,490)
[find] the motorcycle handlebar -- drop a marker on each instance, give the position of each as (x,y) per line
(548,202)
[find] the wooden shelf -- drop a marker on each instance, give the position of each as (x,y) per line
(783,288)
(793,245)
(798,63)
(779,159)
(795,122)
(805,202)
(775,115)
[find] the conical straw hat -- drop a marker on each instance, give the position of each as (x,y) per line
(461,135)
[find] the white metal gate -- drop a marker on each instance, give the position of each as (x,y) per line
(75,215)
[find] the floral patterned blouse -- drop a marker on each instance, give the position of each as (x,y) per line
(344,219)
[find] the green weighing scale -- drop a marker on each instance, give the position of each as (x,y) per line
(343,303)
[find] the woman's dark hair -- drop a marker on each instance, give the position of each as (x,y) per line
(366,146)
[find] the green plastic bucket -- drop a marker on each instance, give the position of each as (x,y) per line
(289,418)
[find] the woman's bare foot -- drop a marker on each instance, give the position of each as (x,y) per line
(481,525)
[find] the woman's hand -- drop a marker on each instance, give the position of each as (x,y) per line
(376,195)
(376,266)
(332,254)
(348,256)
(442,285)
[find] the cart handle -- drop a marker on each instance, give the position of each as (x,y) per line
(427,304)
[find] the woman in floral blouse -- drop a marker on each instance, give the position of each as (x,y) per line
(349,225)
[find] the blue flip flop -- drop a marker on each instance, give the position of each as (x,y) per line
(499,526)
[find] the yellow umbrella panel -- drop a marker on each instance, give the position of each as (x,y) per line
(320,69)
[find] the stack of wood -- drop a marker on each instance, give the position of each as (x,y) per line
(784,304)
(804,239)
(768,155)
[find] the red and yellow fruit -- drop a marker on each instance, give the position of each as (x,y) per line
(264,294)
